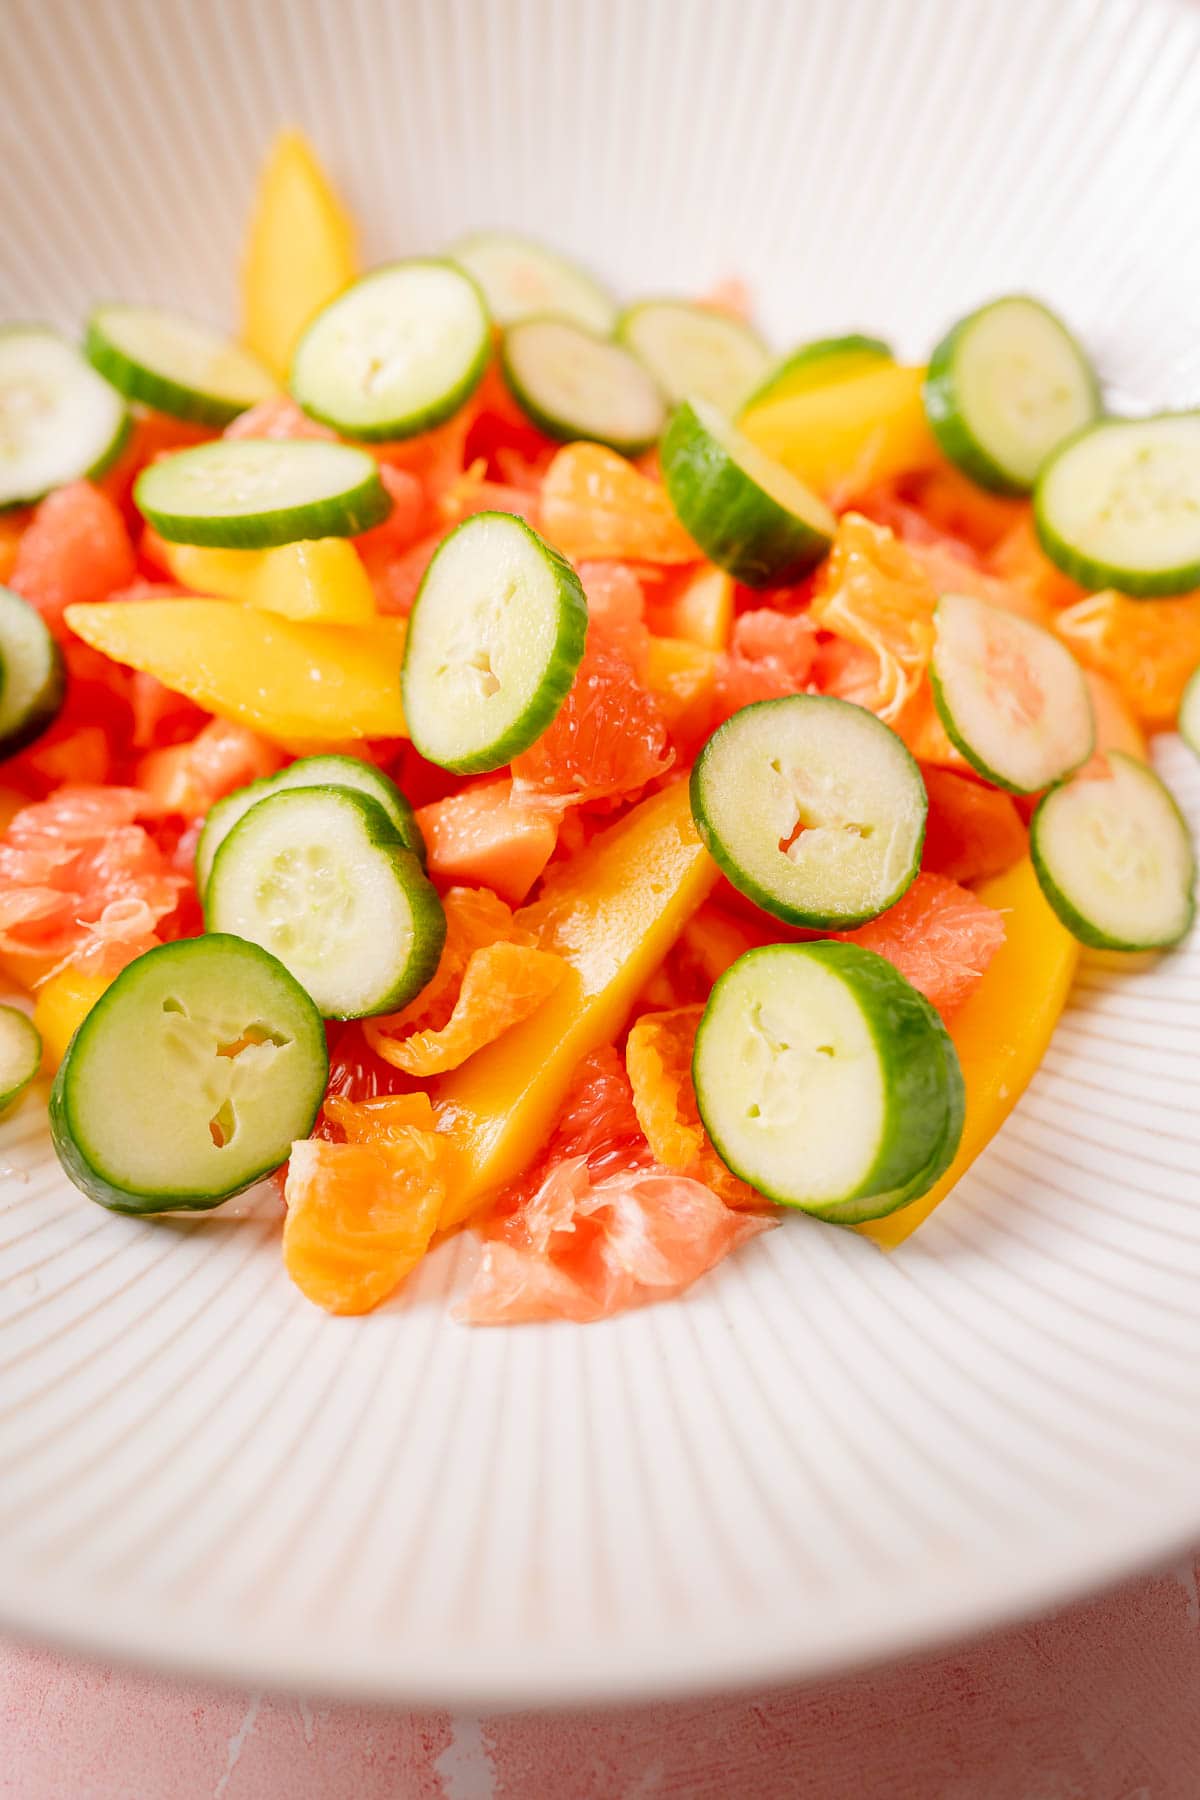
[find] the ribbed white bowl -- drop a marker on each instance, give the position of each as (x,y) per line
(821,1454)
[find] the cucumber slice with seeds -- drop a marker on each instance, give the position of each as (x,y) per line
(523,280)
(1189,713)
(818,364)
(1012,698)
(573,384)
(1119,505)
(496,634)
(174,364)
(253,493)
(1005,387)
(826,1081)
(396,353)
(20,1053)
(318,877)
(1114,858)
(812,808)
(692,349)
(33,676)
(308,771)
(189,1079)
(749,515)
(59,420)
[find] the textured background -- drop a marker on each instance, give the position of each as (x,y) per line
(1098,1702)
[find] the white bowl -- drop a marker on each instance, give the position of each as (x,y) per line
(821,1454)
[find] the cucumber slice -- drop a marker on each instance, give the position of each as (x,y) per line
(189,1079)
(818,364)
(826,1081)
(813,808)
(396,353)
(59,420)
(521,279)
(496,634)
(1119,505)
(252,493)
(573,384)
(20,1053)
(319,877)
(1189,713)
(1114,858)
(174,364)
(749,514)
(306,772)
(692,349)
(33,676)
(1012,698)
(1004,388)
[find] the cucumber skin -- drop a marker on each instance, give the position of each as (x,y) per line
(8,1095)
(954,437)
(428,914)
(344,516)
(43,713)
(561,667)
(745,884)
(425,418)
(156,391)
(723,509)
(903,1025)
(97,1187)
(406,827)
(527,245)
(1135,584)
(1080,928)
(944,713)
(854,345)
(548,423)
(627,319)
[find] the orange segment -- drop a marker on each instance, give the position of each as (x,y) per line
(1147,648)
(501,985)
(658,1057)
(595,504)
(360,1216)
(877,597)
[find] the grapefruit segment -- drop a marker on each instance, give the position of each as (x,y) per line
(940,936)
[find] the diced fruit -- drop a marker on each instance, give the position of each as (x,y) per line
(321,580)
(360,1216)
(482,837)
(594,503)
(61,1006)
(682,677)
(1146,648)
(701,610)
(76,549)
(940,936)
(846,438)
(973,832)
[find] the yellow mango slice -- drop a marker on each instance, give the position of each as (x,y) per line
(299,254)
(844,438)
(1001,1031)
(321,579)
(61,1006)
(228,573)
(612,915)
(702,610)
(293,682)
(682,676)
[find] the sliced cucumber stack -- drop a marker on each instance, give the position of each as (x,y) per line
(396,353)
(1119,505)
(253,493)
(1114,858)
(812,808)
(306,772)
(496,634)
(20,1053)
(1004,388)
(521,279)
(320,878)
(826,1081)
(1012,698)
(59,420)
(1189,713)
(189,1079)
(692,349)
(174,364)
(573,384)
(33,676)
(749,514)
(818,364)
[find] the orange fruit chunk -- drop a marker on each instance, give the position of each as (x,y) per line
(1147,648)
(939,935)
(379,1115)
(360,1215)
(617,610)
(501,985)
(596,504)
(877,597)
(186,779)
(75,548)
(482,836)
(973,831)
(658,1057)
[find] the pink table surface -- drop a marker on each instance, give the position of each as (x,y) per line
(1100,1701)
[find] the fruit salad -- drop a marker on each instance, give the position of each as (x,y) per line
(479,755)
